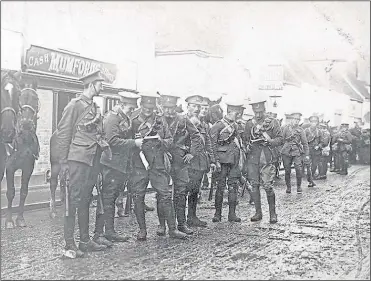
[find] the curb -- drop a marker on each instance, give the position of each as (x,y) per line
(45,205)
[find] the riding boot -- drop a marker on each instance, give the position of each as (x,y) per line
(169,212)
(257,200)
(218,206)
(180,214)
(141,218)
(344,168)
(70,248)
(232,200)
(192,219)
(85,243)
(161,229)
(298,180)
(251,200)
(288,181)
(110,233)
(272,208)
(98,232)
(120,209)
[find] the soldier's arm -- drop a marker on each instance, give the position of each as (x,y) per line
(348,138)
(209,146)
(277,136)
(112,132)
(304,142)
(195,136)
(214,133)
(66,127)
(166,138)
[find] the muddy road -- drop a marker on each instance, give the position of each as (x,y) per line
(323,233)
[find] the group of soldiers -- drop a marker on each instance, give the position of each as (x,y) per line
(155,144)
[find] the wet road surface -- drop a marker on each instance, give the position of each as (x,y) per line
(323,233)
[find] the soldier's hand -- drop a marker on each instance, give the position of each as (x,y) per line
(187,158)
(307,157)
(64,171)
(139,143)
(316,147)
(213,167)
(218,167)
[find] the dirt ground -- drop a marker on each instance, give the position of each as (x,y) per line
(323,233)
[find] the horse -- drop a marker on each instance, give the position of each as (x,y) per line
(24,153)
(10,89)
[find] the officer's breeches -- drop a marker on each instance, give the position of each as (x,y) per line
(287,162)
(230,175)
(261,175)
(113,181)
(160,181)
(195,180)
(315,161)
(180,179)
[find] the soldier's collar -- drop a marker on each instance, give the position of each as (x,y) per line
(85,98)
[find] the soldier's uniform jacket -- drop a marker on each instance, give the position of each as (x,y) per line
(326,138)
(201,161)
(184,134)
(294,141)
(226,141)
(117,128)
(356,136)
(80,131)
(154,150)
(259,153)
(314,139)
(343,140)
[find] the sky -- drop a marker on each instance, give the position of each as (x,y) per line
(250,32)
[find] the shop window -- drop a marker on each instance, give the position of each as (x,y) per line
(110,103)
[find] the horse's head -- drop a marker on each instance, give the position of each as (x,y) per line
(215,113)
(10,89)
(29,107)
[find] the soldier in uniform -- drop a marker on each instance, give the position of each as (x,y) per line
(356,132)
(151,163)
(183,131)
(344,143)
(199,164)
(365,145)
(227,145)
(334,159)
(204,110)
(314,136)
(294,145)
(262,133)
(115,171)
(325,151)
(80,144)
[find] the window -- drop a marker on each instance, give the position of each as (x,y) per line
(110,103)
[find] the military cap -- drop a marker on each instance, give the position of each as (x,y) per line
(129,98)
(323,125)
(169,100)
(92,77)
(148,99)
(288,115)
(195,99)
(296,114)
(234,106)
(258,103)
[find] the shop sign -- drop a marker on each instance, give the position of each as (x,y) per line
(59,63)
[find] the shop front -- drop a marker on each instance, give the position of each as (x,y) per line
(56,74)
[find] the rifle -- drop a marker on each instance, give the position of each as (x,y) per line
(129,199)
(99,185)
(65,183)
